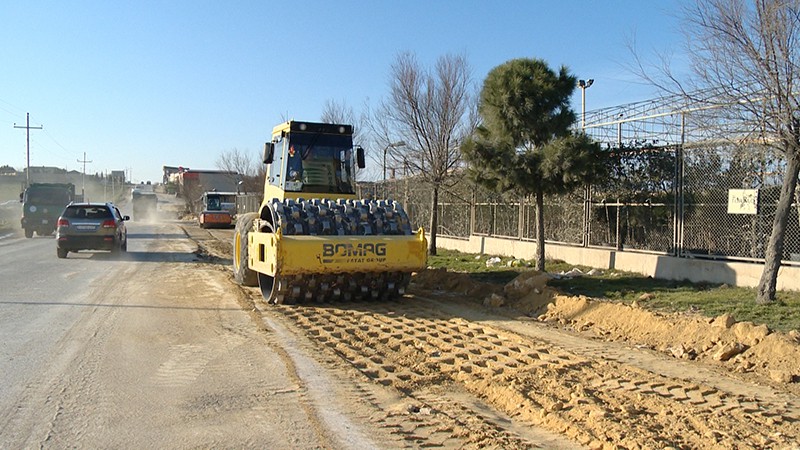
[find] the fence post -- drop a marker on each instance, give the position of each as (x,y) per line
(619,234)
(472,214)
(678,198)
(520,217)
(405,192)
(678,233)
(587,210)
(493,215)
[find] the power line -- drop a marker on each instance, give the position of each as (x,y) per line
(28,128)
(13,113)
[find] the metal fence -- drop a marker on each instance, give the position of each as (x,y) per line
(246,203)
(668,193)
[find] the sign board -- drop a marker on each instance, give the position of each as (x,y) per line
(742,201)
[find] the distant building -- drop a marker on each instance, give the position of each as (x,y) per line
(171,172)
(46,174)
(192,183)
(8,171)
(117,176)
(46,170)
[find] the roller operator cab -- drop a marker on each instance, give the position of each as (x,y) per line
(313,239)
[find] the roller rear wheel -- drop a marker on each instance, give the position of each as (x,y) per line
(241,271)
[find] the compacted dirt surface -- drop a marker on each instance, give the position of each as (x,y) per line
(459,364)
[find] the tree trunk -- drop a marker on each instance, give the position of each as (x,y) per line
(434,220)
(797,203)
(774,253)
(540,231)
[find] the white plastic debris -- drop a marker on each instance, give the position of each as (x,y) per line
(575,272)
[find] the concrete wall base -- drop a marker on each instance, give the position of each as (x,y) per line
(741,274)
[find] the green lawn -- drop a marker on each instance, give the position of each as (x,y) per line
(667,296)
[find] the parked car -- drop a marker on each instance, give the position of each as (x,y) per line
(91,226)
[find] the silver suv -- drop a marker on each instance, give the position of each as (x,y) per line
(91,226)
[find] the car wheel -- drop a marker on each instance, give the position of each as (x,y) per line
(28,233)
(61,252)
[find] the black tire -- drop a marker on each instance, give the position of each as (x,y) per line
(28,233)
(116,247)
(241,271)
(61,252)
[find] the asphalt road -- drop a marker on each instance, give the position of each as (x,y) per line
(150,349)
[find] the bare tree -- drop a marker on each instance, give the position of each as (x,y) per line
(335,112)
(431,112)
(750,52)
(745,65)
(382,132)
(244,164)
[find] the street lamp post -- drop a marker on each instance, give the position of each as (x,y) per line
(385,150)
(584,84)
(587,210)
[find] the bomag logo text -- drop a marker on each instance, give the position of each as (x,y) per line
(351,250)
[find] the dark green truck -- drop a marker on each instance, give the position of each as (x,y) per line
(42,203)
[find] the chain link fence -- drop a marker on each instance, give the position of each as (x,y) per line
(671,193)
(709,229)
(634,208)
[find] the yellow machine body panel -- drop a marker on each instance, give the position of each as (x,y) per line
(271,192)
(278,254)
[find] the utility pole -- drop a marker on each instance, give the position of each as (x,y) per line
(83,187)
(28,128)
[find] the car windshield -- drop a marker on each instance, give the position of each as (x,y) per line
(87,212)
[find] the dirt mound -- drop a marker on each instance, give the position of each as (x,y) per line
(527,293)
(460,283)
(738,346)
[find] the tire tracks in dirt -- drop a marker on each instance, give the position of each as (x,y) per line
(413,346)
(466,378)
(434,416)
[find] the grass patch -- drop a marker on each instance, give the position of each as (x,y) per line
(667,296)
(475,266)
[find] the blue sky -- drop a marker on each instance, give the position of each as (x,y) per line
(142,84)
